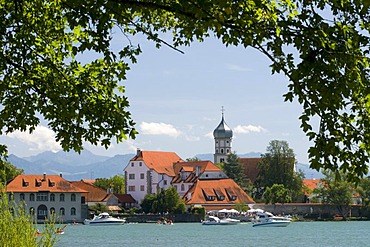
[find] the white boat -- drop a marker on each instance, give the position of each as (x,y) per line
(104,219)
(268,219)
(214,220)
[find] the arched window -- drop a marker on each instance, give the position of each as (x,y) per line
(22,196)
(52,210)
(32,211)
(32,197)
(62,211)
(61,197)
(42,212)
(73,197)
(182,187)
(73,211)
(52,197)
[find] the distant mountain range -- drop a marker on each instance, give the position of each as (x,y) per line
(87,165)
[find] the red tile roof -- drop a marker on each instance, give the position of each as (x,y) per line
(311,183)
(125,198)
(36,183)
(217,187)
(192,167)
(161,162)
(95,194)
(250,167)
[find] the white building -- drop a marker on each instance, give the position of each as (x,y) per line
(148,172)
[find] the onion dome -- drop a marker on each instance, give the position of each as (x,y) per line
(223,130)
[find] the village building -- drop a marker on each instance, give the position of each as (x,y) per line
(216,194)
(94,194)
(44,195)
(208,186)
(148,172)
(188,173)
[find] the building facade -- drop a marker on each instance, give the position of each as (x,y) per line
(44,195)
(149,172)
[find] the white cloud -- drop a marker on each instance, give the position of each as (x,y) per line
(245,129)
(209,135)
(41,139)
(239,68)
(159,129)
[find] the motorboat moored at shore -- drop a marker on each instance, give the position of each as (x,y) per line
(104,219)
(214,220)
(268,219)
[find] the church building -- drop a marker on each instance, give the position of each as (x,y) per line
(223,136)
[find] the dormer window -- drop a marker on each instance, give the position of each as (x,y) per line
(24,183)
(37,183)
(51,183)
(232,196)
(209,194)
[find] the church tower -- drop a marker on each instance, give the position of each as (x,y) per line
(223,136)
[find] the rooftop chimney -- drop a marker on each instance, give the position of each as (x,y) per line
(138,151)
(44,177)
(61,175)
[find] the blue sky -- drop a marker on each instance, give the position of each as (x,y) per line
(176,99)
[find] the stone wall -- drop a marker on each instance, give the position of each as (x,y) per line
(310,210)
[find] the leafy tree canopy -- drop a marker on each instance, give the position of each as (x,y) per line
(116,183)
(8,171)
(234,169)
(277,194)
(335,190)
(321,46)
(163,202)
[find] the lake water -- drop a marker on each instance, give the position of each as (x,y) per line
(353,233)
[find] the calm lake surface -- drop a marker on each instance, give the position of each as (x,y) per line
(353,233)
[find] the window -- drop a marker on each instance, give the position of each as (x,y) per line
(140,163)
(42,212)
(142,188)
(32,197)
(11,197)
(61,197)
(73,197)
(52,210)
(227,150)
(32,211)
(42,197)
(132,164)
(62,211)
(164,182)
(222,160)
(52,197)
(142,175)
(182,187)
(222,150)
(175,186)
(131,188)
(73,211)
(22,196)
(131,176)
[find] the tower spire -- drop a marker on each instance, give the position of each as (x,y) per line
(223,136)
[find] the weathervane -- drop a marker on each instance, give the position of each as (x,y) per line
(222,110)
